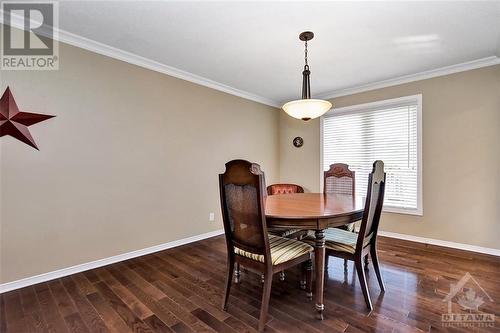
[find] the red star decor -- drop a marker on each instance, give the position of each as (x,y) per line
(15,123)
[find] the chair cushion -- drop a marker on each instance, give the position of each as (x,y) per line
(283,232)
(338,240)
(283,189)
(348,227)
(282,250)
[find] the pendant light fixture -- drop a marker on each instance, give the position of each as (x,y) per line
(306,108)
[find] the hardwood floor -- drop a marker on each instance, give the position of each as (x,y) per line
(180,290)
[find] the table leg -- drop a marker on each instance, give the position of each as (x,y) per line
(320,271)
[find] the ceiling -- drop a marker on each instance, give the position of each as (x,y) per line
(254,46)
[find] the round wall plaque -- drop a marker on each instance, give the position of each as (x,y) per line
(298,142)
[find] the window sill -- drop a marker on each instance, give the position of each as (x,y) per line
(397,210)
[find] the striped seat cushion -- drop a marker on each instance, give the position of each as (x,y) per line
(348,227)
(338,240)
(282,250)
(284,232)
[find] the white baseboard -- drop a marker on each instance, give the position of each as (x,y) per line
(134,254)
(4,287)
(438,242)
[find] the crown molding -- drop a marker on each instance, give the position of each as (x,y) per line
(134,59)
(465,66)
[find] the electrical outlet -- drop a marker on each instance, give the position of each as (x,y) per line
(211,217)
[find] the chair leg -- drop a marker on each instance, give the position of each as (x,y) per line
(266,294)
(303,278)
(229,279)
(373,254)
(237,273)
(362,282)
(327,272)
(309,267)
(345,266)
(346,279)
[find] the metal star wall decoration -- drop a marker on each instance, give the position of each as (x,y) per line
(15,123)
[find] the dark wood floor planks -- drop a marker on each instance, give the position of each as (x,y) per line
(180,290)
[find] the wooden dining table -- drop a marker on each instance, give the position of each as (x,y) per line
(314,211)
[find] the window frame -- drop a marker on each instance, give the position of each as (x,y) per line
(374,106)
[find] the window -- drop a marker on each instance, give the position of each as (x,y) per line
(388,130)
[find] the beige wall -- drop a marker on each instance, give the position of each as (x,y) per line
(132,158)
(130,161)
(461,156)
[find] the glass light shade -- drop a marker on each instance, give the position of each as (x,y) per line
(307,109)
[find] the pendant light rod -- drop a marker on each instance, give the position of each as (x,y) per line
(306,82)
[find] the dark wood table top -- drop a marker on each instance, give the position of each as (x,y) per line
(312,205)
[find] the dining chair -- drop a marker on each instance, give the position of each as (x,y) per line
(339,179)
(278,189)
(356,246)
(275,189)
(248,242)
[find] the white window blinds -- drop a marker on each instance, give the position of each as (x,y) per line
(387,131)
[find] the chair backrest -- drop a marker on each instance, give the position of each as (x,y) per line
(241,189)
(275,189)
(339,179)
(373,205)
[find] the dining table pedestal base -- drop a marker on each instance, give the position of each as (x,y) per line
(319,253)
